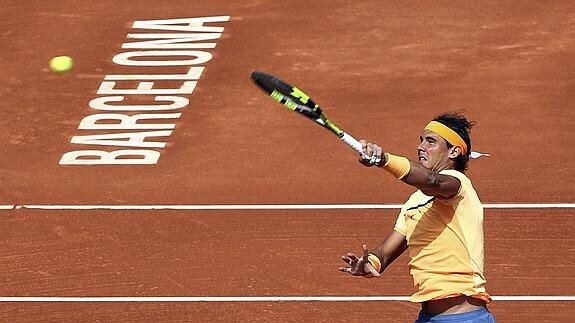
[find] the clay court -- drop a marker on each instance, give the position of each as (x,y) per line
(247,209)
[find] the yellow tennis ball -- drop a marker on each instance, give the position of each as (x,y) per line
(61,64)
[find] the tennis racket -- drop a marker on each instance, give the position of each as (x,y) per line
(296,100)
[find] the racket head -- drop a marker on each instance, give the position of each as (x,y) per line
(288,95)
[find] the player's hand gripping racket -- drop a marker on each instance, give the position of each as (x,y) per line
(296,100)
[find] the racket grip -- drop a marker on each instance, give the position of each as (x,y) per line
(352,142)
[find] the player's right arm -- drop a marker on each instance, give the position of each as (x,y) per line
(390,248)
(387,251)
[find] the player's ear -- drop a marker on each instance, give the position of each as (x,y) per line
(455,151)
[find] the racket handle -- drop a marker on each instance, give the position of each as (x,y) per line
(352,142)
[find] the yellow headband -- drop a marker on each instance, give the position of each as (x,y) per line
(448,134)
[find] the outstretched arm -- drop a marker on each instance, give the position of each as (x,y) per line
(431,183)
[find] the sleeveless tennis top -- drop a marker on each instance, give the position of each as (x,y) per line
(445,239)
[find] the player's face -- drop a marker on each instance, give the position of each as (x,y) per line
(432,151)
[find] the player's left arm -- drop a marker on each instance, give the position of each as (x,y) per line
(432,183)
(429,182)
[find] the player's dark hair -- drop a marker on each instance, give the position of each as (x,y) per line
(457,122)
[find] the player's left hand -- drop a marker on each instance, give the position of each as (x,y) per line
(372,154)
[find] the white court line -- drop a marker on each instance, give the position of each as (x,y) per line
(241,299)
(263,298)
(270,206)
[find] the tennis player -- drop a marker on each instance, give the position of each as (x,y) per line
(441,225)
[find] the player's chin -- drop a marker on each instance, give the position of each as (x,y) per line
(423,162)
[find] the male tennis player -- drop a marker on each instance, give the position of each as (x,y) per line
(441,225)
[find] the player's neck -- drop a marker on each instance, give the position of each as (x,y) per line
(448,164)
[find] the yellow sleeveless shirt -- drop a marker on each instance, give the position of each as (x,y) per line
(445,239)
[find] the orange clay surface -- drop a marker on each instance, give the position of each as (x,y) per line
(380,70)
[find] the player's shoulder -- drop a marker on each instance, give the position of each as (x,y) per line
(457,174)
